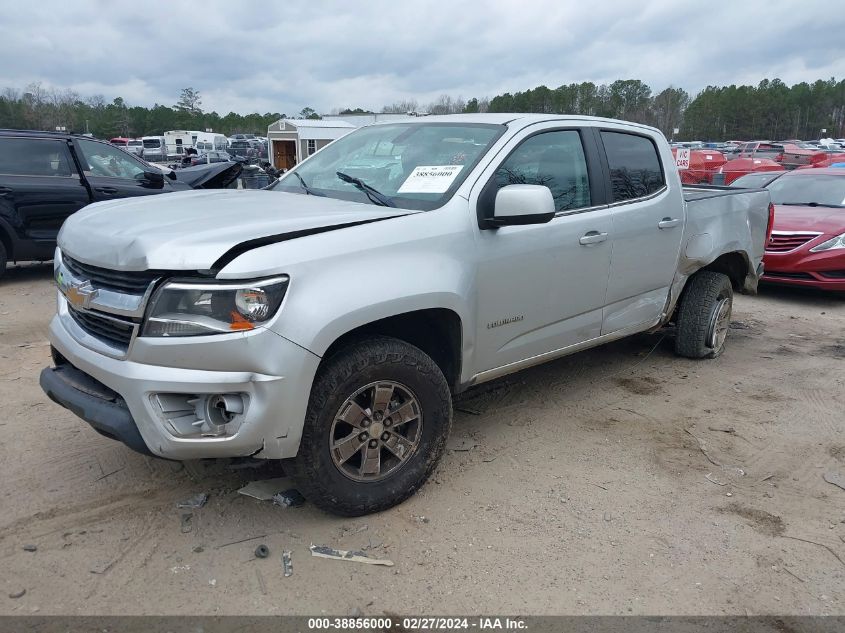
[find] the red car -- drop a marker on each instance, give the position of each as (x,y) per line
(739,167)
(807,247)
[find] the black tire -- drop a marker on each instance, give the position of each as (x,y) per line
(314,470)
(3,260)
(702,299)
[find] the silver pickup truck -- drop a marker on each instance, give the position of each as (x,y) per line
(328,320)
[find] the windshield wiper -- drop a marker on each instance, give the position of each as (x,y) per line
(811,204)
(308,190)
(373,194)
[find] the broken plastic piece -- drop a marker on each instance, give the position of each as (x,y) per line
(355,557)
(264,489)
(837,479)
(197,501)
(289,498)
(287,563)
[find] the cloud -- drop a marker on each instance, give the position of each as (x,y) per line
(280,57)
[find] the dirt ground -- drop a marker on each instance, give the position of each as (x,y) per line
(619,480)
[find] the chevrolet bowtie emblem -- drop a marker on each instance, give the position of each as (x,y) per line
(80,294)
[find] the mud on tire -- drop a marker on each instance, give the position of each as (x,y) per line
(337,421)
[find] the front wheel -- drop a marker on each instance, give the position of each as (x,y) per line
(704,315)
(376,426)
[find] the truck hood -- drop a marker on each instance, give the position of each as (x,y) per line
(202,230)
(822,219)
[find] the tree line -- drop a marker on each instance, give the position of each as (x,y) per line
(40,108)
(769,110)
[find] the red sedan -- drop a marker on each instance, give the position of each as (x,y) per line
(807,247)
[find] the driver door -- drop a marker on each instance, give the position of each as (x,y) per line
(113,173)
(541,288)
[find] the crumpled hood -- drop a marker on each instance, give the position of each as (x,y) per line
(192,230)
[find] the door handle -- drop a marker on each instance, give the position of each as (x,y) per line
(668,223)
(592,237)
(107,190)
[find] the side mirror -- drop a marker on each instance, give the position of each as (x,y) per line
(522,204)
(153,178)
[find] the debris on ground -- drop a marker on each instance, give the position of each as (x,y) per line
(287,563)
(199,549)
(291,498)
(30,548)
(17,594)
(262,551)
(837,479)
(197,501)
(709,477)
(264,489)
(461,445)
(185,522)
(243,540)
(355,557)
(421,519)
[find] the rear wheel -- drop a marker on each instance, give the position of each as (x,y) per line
(704,315)
(376,426)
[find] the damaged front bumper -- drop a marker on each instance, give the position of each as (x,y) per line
(165,392)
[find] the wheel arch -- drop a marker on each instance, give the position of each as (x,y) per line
(436,331)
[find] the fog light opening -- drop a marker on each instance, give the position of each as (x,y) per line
(222,408)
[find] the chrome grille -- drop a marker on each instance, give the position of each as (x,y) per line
(114,330)
(133,282)
(785,242)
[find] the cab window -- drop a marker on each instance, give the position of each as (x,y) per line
(635,169)
(552,159)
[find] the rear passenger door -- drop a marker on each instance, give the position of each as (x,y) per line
(113,173)
(648,224)
(39,187)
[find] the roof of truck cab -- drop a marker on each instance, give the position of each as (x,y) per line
(518,119)
(38,133)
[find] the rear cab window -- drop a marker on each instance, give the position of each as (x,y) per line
(35,157)
(635,168)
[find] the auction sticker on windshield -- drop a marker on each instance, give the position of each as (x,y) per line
(430,179)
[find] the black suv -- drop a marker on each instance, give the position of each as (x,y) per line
(46,176)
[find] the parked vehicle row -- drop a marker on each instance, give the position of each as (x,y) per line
(173,145)
(45,177)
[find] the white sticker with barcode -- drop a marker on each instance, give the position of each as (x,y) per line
(430,179)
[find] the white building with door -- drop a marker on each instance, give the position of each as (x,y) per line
(292,140)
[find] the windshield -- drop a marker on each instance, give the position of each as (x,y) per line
(135,143)
(413,165)
(822,189)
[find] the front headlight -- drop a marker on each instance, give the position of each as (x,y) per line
(195,308)
(836,242)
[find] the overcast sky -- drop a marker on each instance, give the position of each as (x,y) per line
(281,56)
